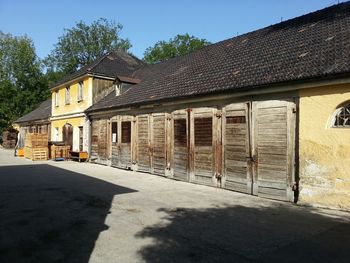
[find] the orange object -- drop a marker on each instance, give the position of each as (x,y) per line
(20,153)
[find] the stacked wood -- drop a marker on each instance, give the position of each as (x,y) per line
(9,138)
(36,146)
(36,140)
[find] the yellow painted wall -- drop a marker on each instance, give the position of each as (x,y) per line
(324,151)
(74,105)
(75,122)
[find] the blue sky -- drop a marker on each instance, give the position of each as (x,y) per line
(146,22)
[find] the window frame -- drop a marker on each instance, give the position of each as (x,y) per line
(344,110)
(57,101)
(114,130)
(67,95)
(80,91)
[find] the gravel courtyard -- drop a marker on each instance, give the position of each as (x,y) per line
(82,212)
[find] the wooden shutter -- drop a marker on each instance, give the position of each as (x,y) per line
(158,143)
(236,149)
(180,145)
(125,141)
(274,142)
(115,142)
(204,146)
(143,143)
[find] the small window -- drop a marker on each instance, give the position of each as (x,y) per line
(126,132)
(235,119)
(55,136)
(67,97)
(180,132)
(342,117)
(56,98)
(114,132)
(80,91)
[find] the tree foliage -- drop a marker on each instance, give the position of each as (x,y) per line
(83,44)
(177,46)
(22,84)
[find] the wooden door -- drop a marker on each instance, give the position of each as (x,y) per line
(67,135)
(158,143)
(115,145)
(125,142)
(180,144)
(99,141)
(203,122)
(143,143)
(237,173)
(273,150)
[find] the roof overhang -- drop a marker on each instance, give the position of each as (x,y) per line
(230,94)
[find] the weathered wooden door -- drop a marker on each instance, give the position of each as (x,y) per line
(158,143)
(237,161)
(99,141)
(180,145)
(125,141)
(273,149)
(143,143)
(67,135)
(204,126)
(115,145)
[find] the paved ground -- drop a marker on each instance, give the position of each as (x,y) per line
(80,212)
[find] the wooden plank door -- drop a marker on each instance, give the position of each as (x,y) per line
(203,122)
(125,142)
(237,173)
(143,143)
(180,145)
(158,143)
(115,146)
(273,150)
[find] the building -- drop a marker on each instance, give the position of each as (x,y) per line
(265,113)
(37,121)
(76,92)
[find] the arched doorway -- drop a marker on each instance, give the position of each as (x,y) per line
(67,135)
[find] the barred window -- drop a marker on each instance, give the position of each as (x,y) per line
(342,117)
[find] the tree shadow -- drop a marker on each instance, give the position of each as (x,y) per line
(277,233)
(49,214)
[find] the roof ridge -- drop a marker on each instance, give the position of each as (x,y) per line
(97,61)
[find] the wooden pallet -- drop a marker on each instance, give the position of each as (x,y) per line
(36,154)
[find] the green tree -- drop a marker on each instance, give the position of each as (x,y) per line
(83,44)
(22,84)
(177,46)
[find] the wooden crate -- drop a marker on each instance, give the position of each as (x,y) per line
(36,140)
(37,153)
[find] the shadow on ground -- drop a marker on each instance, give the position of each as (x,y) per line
(278,233)
(48,214)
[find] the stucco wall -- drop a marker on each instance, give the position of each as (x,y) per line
(324,152)
(74,106)
(75,122)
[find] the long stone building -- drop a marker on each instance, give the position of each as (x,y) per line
(266,113)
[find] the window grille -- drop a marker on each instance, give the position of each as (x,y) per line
(342,118)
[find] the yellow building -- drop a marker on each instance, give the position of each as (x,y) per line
(75,93)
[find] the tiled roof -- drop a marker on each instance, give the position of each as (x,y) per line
(312,46)
(112,64)
(43,112)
